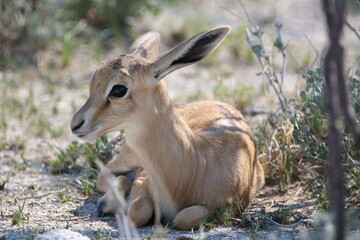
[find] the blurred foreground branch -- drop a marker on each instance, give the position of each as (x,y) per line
(338,107)
(118,205)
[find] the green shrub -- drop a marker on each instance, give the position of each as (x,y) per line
(84,154)
(311,121)
(225,214)
(27,26)
(112,14)
(301,133)
(87,183)
(311,131)
(19,215)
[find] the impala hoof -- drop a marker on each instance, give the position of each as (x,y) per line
(101,209)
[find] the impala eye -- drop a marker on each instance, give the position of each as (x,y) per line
(118,91)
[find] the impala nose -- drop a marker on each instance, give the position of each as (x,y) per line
(77,126)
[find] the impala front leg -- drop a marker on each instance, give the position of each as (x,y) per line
(124,184)
(123,163)
(141,207)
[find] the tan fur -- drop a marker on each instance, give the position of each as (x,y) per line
(142,207)
(200,154)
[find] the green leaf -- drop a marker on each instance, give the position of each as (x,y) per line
(303,95)
(278,43)
(257,49)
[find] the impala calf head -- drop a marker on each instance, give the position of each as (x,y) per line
(120,85)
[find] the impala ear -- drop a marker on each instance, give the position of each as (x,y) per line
(188,52)
(146,46)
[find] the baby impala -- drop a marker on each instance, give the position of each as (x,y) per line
(193,158)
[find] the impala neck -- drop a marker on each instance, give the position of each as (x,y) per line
(164,144)
(160,134)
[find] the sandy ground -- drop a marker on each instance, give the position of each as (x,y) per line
(37,189)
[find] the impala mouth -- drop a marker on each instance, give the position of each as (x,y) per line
(89,135)
(96,132)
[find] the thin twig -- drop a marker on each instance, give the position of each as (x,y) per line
(255,112)
(246,12)
(72,218)
(304,155)
(250,220)
(229,10)
(297,205)
(265,63)
(282,51)
(36,196)
(314,49)
(78,199)
(353,161)
(348,24)
(279,224)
